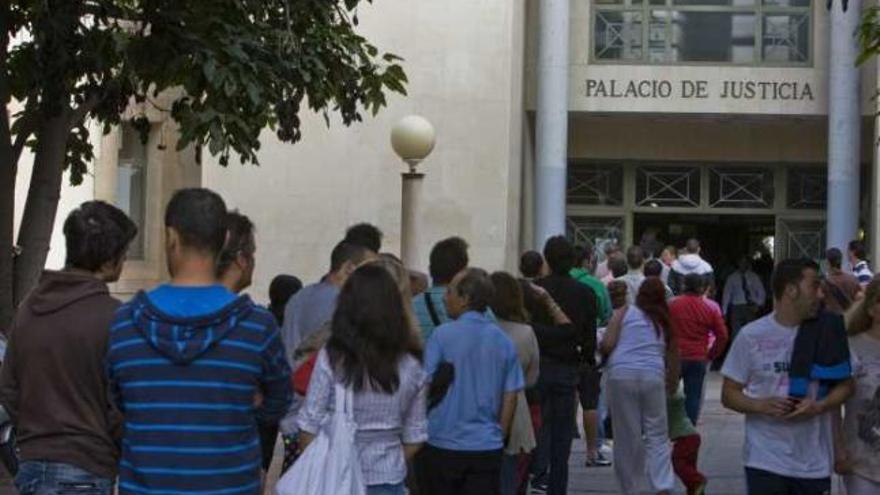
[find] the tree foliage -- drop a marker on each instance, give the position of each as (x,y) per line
(238,66)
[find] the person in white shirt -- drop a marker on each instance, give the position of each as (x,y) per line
(788,442)
(743,296)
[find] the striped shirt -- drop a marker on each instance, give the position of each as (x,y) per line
(863,272)
(384,421)
(186,386)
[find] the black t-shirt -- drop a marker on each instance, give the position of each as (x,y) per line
(569,344)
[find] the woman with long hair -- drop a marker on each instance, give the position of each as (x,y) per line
(642,351)
(509,308)
(370,351)
(857,438)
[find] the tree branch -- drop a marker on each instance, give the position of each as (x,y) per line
(81,112)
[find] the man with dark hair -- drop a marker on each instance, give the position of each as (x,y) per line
(448,258)
(788,441)
(53,383)
(635,262)
(654,268)
(840,288)
(366,235)
(236,263)
(590,378)
(690,262)
(567,354)
(468,428)
(858,258)
(186,360)
(531,265)
(313,306)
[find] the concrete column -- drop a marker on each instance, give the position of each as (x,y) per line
(551,130)
(409,222)
(874,220)
(844,125)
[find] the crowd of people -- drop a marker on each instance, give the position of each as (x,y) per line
(461,381)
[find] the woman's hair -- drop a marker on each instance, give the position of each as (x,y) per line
(401,277)
(652,301)
(369,331)
(617,290)
(282,288)
(507,303)
(858,318)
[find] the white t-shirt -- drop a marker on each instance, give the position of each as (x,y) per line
(760,359)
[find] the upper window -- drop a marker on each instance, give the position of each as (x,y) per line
(131,184)
(744,32)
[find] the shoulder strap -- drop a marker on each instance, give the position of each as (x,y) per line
(431,309)
(842,299)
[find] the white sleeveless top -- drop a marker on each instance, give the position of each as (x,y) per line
(639,348)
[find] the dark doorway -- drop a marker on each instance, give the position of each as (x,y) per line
(724,238)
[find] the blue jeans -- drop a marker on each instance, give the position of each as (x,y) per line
(557,385)
(397,489)
(693,373)
(52,478)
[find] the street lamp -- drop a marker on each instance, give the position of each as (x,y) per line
(413,140)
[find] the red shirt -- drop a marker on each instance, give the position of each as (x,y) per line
(694,320)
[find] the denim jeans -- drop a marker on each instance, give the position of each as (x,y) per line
(52,478)
(557,385)
(397,489)
(693,373)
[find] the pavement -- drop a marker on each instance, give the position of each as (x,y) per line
(720,455)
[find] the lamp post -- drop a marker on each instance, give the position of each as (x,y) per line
(413,140)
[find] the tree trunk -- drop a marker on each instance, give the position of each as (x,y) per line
(7,219)
(35,232)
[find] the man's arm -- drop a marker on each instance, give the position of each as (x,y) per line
(9,389)
(727,296)
(508,407)
(275,379)
(808,408)
(733,398)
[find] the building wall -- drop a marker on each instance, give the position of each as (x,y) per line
(464,60)
(693,87)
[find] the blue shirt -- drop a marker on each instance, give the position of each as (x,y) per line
(420,307)
(306,312)
(186,302)
(486,367)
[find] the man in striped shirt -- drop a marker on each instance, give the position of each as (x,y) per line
(857,258)
(186,361)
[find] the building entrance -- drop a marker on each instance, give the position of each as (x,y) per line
(724,238)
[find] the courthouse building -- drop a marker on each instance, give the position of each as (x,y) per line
(704,118)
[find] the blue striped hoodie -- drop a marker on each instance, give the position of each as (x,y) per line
(187,388)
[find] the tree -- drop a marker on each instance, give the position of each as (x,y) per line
(238,66)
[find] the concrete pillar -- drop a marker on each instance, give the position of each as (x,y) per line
(874,220)
(551,129)
(844,125)
(409,222)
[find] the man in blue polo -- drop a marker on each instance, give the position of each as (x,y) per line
(466,430)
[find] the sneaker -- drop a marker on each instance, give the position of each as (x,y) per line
(599,461)
(538,485)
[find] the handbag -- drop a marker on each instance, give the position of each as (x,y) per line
(330,465)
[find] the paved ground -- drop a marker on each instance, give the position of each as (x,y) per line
(720,455)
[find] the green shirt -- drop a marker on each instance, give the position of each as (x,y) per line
(603,300)
(679,424)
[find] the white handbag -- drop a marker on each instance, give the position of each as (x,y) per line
(330,465)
